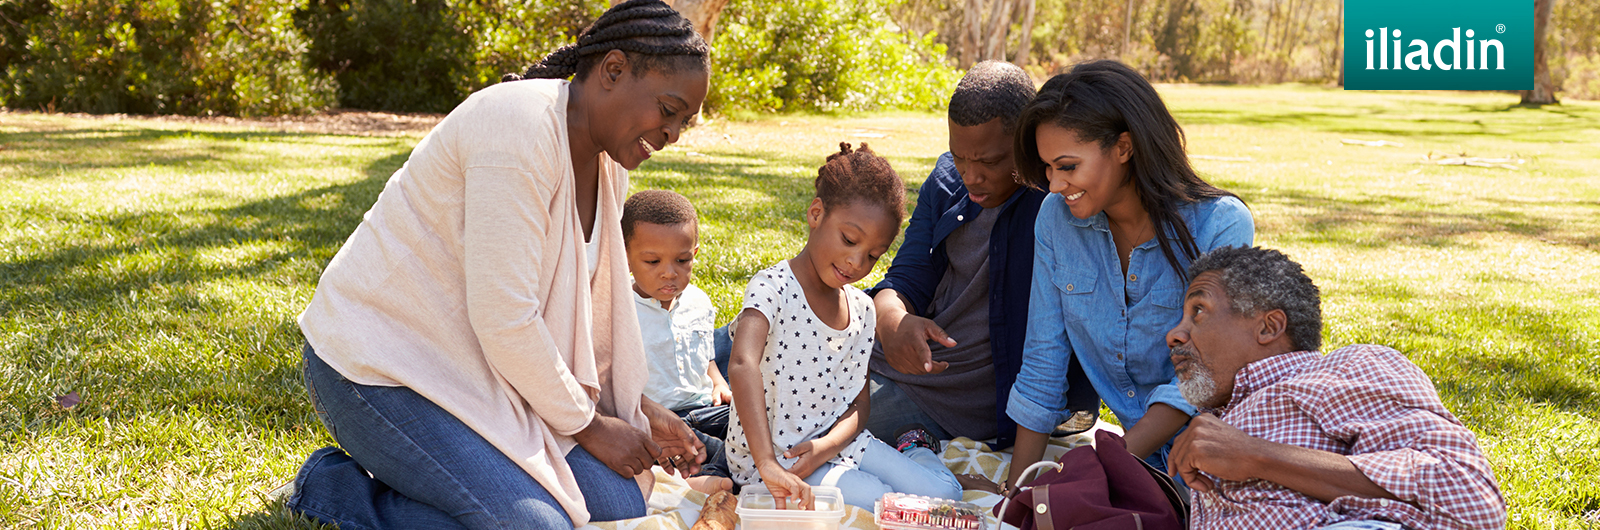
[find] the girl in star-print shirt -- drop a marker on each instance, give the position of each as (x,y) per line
(800,350)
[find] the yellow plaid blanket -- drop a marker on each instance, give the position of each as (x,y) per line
(674,506)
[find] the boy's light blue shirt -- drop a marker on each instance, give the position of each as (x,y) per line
(1081,304)
(678,347)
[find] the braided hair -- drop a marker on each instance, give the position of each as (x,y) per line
(1099,101)
(651,33)
(861,175)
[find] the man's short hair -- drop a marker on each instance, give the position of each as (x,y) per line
(991,89)
(659,207)
(1259,279)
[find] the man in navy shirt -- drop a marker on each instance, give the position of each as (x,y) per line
(952,309)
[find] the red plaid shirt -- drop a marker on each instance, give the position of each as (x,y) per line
(1372,405)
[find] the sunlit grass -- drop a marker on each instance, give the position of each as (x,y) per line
(156,268)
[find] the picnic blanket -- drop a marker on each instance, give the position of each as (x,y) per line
(674,506)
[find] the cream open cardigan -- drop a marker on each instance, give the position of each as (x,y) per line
(467,282)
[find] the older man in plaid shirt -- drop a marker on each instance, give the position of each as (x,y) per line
(1290,438)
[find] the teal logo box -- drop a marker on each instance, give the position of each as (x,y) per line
(1438,45)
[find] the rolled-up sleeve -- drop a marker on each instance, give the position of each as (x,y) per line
(1039,397)
(1168,394)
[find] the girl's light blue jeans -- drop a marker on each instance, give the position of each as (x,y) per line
(411,464)
(883,469)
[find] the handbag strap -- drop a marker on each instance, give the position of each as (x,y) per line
(1006,504)
(1042,518)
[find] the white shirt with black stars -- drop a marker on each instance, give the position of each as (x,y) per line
(810,372)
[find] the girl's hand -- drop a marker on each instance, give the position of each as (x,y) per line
(811,454)
(624,449)
(785,486)
(721,395)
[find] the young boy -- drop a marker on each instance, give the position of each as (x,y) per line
(676,319)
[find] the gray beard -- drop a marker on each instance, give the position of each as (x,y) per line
(1200,388)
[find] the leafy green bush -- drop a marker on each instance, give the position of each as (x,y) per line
(428,55)
(157,57)
(819,55)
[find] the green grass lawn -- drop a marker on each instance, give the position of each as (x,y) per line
(155,268)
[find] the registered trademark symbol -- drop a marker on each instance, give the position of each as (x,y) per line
(1499,28)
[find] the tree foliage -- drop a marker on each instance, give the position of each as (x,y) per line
(156,57)
(820,55)
(428,55)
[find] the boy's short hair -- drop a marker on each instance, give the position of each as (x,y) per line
(991,89)
(659,207)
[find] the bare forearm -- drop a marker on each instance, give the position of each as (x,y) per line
(716,375)
(852,421)
(1028,449)
(1159,424)
(1321,475)
(890,302)
(748,396)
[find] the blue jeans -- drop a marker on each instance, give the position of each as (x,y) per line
(411,464)
(883,469)
(893,409)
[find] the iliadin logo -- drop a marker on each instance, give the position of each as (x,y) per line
(1438,45)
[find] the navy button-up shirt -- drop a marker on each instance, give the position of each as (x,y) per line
(942,206)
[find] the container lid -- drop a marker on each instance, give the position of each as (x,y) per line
(900,511)
(756,502)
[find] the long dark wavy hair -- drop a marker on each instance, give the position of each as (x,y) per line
(1099,101)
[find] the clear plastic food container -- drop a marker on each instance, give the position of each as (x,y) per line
(900,511)
(757,511)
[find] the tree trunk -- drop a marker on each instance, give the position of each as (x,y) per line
(1544,88)
(1127,30)
(1021,58)
(1338,51)
(972,38)
(999,25)
(701,13)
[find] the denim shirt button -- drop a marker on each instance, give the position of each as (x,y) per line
(961,217)
(1130,393)
(1069,287)
(1133,277)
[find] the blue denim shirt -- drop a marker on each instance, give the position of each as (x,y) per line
(942,206)
(1116,326)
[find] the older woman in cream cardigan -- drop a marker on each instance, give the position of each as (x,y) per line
(473,346)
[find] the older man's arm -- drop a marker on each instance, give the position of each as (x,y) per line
(1213,446)
(1401,441)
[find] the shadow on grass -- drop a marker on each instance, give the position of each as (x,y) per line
(272,517)
(88,331)
(1382,221)
(1484,356)
(119,147)
(1409,118)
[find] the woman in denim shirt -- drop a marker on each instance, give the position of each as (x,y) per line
(1125,216)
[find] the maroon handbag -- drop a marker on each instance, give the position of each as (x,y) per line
(1097,490)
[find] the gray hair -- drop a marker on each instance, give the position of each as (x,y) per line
(1259,279)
